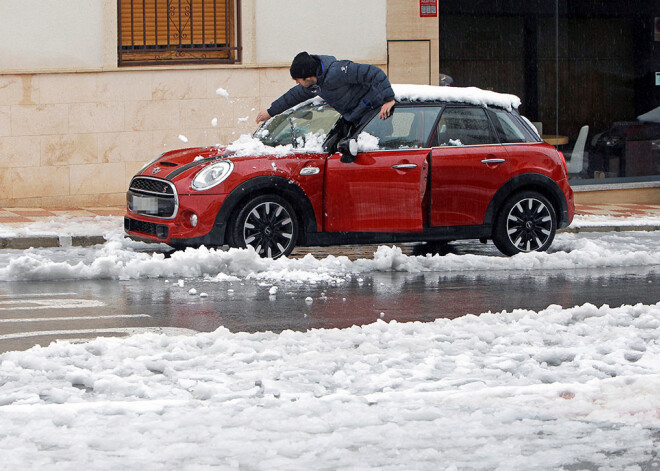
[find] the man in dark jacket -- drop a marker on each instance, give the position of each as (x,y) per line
(352,89)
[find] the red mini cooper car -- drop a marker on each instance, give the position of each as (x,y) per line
(450,163)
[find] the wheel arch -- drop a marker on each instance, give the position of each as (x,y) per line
(530,182)
(262,185)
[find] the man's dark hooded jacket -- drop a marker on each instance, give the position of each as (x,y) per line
(352,89)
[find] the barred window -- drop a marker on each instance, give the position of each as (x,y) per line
(178,31)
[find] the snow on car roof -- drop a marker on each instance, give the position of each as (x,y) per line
(472,95)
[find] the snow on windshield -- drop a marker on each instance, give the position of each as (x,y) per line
(248,145)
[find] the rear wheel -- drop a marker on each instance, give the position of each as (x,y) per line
(268,223)
(526,223)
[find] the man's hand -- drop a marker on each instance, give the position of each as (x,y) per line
(386,110)
(263,116)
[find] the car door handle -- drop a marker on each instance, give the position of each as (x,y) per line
(493,161)
(404,166)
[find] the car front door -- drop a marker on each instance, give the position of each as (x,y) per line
(469,165)
(383,190)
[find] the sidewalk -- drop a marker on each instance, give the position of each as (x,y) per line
(22,228)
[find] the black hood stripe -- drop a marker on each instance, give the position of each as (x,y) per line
(193,164)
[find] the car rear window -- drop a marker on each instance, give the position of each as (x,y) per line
(509,127)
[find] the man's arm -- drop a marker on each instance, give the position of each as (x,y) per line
(294,96)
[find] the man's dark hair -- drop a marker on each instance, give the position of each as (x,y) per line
(304,66)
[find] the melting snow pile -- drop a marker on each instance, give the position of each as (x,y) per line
(519,390)
(120,258)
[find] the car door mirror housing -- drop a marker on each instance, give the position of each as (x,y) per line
(348,148)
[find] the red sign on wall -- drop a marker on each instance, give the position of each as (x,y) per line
(428,8)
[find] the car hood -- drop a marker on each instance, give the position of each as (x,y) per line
(179,160)
(173,164)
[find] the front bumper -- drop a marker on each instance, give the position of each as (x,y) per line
(180,230)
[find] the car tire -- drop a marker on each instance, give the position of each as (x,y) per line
(527,222)
(268,223)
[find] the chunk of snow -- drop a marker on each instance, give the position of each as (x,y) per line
(366,142)
(222,92)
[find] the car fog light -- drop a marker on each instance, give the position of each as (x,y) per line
(193,220)
(161,231)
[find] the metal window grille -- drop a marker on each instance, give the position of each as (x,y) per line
(156,32)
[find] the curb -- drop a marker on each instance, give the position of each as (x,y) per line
(643,228)
(22,243)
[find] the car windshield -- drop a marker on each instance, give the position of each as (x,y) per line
(297,125)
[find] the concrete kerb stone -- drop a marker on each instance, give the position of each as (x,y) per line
(576,230)
(23,243)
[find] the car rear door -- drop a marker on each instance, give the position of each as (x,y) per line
(469,165)
(384,188)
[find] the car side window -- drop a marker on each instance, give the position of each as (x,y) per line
(407,127)
(464,126)
(509,127)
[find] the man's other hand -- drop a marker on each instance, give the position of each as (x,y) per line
(386,110)
(264,116)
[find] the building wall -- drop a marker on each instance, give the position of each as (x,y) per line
(74,127)
(77,138)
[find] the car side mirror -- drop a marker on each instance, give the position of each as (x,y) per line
(348,148)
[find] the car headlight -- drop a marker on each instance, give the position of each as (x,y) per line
(212,175)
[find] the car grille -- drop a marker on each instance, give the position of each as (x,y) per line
(133,225)
(152,197)
(151,185)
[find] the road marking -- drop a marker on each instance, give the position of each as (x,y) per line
(74,318)
(67,303)
(120,330)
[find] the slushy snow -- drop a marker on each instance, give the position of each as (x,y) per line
(511,390)
(573,388)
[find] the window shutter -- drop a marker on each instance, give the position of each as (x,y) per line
(177,29)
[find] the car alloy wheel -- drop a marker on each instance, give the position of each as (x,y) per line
(527,223)
(268,224)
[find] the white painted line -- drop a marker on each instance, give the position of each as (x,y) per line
(67,303)
(121,330)
(74,318)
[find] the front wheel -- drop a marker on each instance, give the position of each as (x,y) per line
(268,223)
(526,223)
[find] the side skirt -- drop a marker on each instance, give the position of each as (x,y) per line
(428,235)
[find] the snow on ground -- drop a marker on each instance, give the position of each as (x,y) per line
(561,388)
(120,258)
(512,390)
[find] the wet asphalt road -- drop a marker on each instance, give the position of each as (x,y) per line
(40,312)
